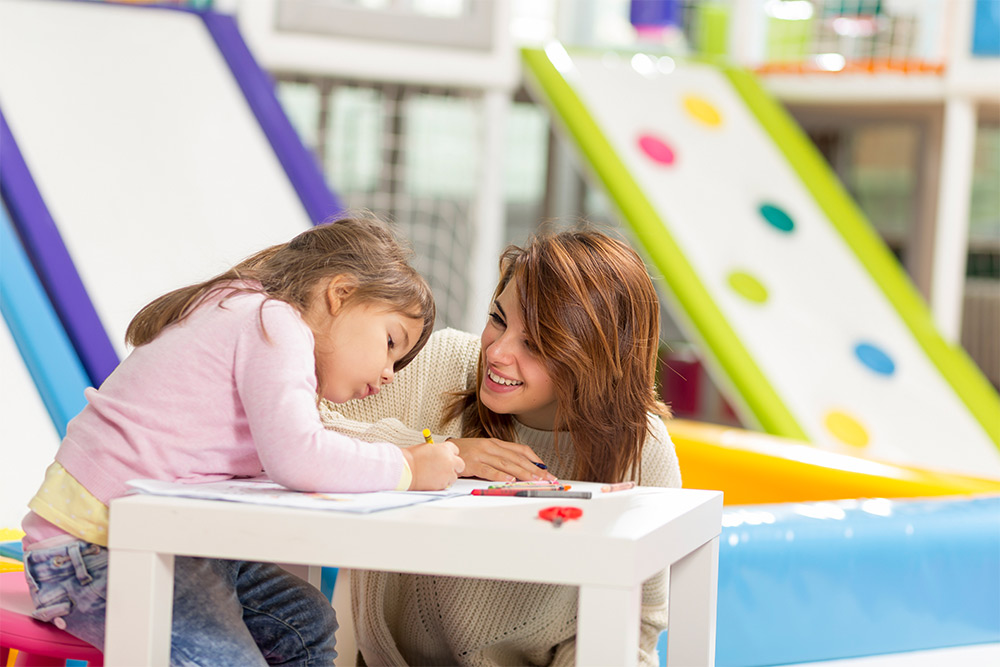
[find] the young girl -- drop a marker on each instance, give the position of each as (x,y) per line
(563,375)
(223,383)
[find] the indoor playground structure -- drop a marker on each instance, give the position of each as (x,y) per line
(863,517)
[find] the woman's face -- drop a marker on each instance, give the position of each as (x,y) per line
(515,382)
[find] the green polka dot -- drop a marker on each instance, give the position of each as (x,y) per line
(747,286)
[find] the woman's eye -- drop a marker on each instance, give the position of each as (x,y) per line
(496,319)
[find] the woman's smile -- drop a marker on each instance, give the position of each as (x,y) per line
(501,381)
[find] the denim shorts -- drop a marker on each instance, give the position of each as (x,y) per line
(69,586)
(237,613)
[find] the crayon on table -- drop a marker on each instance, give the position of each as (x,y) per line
(540,493)
(513,491)
(620,486)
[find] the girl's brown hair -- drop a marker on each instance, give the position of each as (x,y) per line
(362,248)
(591,312)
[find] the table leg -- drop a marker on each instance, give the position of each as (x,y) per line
(607,627)
(694,584)
(140,608)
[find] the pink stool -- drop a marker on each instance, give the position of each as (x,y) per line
(38,644)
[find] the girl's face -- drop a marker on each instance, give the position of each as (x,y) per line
(357,348)
(515,381)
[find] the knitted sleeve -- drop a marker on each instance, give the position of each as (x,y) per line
(417,398)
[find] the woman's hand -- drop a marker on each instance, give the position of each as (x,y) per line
(499,460)
(434,466)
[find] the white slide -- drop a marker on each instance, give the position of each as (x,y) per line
(143,147)
(803,316)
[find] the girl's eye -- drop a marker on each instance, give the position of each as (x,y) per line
(391,343)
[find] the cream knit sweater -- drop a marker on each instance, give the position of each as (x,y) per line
(428,620)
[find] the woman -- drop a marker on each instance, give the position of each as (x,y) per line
(563,376)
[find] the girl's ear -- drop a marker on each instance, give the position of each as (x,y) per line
(338,291)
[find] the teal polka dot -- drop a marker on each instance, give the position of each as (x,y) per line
(875,358)
(777,218)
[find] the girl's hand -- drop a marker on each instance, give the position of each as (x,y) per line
(499,460)
(435,466)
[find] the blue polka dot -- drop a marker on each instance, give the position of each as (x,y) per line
(875,358)
(777,217)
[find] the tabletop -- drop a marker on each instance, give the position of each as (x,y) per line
(621,540)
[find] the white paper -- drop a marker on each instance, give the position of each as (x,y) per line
(263,491)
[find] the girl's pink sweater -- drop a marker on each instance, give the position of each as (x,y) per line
(228,392)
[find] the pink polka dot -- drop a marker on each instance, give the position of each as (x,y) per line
(656,149)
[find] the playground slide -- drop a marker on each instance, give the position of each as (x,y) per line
(804,317)
(143,149)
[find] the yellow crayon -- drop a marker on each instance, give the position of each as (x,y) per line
(427,436)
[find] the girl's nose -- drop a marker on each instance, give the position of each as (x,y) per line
(388,374)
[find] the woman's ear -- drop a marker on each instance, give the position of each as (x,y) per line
(338,290)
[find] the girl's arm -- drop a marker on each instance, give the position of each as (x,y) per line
(275,381)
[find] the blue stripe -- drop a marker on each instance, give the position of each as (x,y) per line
(46,349)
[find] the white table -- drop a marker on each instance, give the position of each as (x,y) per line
(622,539)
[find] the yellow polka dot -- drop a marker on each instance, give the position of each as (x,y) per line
(702,110)
(846,429)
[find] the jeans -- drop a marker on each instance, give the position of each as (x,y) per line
(225,612)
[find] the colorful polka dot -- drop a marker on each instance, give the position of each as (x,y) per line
(875,358)
(747,286)
(656,149)
(777,217)
(702,110)
(846,429)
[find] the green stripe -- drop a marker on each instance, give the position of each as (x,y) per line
(954,364)
(758,394)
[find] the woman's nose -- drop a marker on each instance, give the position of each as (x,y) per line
(499,351)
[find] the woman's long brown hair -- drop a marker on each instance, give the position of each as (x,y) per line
(591,311)
(362,248)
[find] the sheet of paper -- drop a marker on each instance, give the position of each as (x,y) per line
(262,491)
